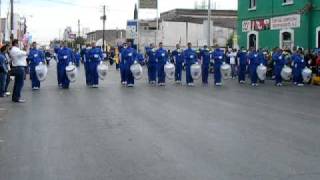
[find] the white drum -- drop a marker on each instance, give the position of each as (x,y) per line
(169,69)
(306,74)
(225,71)
(41,71)
(195,70)
(262,72)
(286,73)
(102,70)
(72,72)
(136,70)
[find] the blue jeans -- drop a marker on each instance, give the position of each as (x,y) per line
(19,73)
(3,79)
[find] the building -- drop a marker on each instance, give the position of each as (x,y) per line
(112,37)
(279,23)
(188,25)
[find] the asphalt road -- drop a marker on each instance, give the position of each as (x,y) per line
(235,132)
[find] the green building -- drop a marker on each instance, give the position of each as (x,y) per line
(279,23)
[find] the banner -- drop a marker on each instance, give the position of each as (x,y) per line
(285,22)
(148,4)
(132,30)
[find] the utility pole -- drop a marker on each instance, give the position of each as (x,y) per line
(11,20)
(104,18)
(78,27)
(209,24)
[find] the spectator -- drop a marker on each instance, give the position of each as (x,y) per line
(3,70)
(18,68)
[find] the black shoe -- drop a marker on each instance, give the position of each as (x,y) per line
(19,101)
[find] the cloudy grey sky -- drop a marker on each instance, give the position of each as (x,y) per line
(46,17)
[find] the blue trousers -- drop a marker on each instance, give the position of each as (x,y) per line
(242,72)
(19,73)
(123,72)
(152,71)
(87,73)
(278,70)
(62,76)
(128,75)
(205,73)
(253,74)
(217,74)
(161,73)
(94,73)
(33,76)
(3,79)
(189,78)
(297,76)
(178,72)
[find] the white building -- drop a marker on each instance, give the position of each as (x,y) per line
(185,25)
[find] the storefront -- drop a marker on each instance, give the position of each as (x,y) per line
(289,25)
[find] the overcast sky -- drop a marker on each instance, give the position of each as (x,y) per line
(47,17)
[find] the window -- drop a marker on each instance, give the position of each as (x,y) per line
(253,40)
(252,4)
(287,2)
(287,39)
(318,37)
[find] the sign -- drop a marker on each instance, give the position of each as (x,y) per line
(255,25)
(285,22)
(261,24)
(246,26)
(132,30)
(148,4)
(72,36)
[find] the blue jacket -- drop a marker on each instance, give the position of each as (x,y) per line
(254,59)
(243,58)
(35,57)
(279,59)
(298,62)
(3,64)
(151,53)
(130,55)
(206,56)
(178,56)
(190,56)
(162,56)
(65,56)
(218,56)
(95,54)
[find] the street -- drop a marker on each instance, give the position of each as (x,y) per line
(234,132)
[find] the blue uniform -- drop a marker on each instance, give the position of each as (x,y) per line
(56,51)
(242,65)
(65,56)
(95,57)
(298,64)
(190,57)
(122,65)
(85,60)
(279,62)
(34,58)
(129,55)
(206,57)
(77,57)
(217,55)
(152,65)
(162,58)
(3,74)
(254,62)
(178,60)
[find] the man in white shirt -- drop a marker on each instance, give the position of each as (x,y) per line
(233,55)
(19,63)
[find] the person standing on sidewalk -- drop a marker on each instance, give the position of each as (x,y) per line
(3,70)
(19,63)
